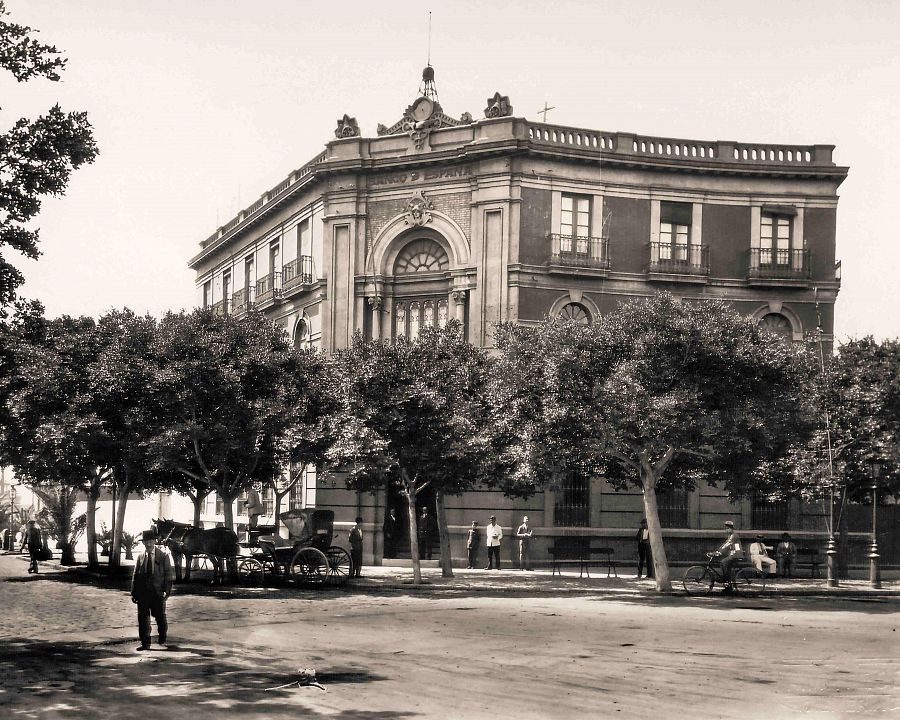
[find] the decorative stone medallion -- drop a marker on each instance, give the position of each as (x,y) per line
(498,106)
(418,209)
(347,127)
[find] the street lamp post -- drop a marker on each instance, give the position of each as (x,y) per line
(874,566)
(831,551)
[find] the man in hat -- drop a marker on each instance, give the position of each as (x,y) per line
(35,544)
(255,506)
(759,556)
(151,586)
(494,536)
(645,555)
(730,550)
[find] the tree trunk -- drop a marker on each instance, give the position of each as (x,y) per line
(231,563)
(197,501)
(278,510)
(443,534)
(93,496)
(409,490)
(68,554)
(660,562)
(116,550)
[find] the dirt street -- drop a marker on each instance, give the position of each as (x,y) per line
(67,649)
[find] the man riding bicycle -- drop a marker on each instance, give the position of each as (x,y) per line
(730,551)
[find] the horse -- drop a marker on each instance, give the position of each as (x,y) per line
(185,541)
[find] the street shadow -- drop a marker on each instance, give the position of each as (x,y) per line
(99,680)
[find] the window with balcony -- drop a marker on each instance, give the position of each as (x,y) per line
(678,250)
(572,503)
(573,244)
(778,253)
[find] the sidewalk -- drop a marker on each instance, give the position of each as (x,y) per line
(541,581)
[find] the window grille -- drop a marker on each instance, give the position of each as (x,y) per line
(673,508)
(769,514)
(573,501)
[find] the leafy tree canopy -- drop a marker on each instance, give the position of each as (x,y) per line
(37,156)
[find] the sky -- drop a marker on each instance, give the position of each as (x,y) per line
(199,107)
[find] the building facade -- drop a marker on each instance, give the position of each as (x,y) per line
(506,219)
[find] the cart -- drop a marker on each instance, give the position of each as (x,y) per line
(307,557)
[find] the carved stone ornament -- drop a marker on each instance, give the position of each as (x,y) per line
(376,302)
(498,106)
(382,129)
(419,119)
(466,118)
(347,127)
(418,209)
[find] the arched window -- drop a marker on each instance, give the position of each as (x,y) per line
(778,324)
(301,335)
(421,256)
(576,312)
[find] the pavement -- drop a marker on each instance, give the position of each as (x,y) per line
(544,581)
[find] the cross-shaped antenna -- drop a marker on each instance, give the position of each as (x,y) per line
(546,109)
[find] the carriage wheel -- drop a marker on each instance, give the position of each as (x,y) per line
(340,566)
(251,572)
(309,566)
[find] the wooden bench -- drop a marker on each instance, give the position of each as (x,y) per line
(808,557)
(582,554)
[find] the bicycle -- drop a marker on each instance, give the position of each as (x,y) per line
(744,580)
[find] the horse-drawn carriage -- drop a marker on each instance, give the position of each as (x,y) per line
(307,557)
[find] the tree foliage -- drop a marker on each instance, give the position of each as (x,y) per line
(240,403)
(657,395)
(419,414)
(37,157)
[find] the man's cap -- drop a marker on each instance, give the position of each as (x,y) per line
(148,535)
(729,523)
(759,537)
(493,517)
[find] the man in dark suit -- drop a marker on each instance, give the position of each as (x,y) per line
(151,586)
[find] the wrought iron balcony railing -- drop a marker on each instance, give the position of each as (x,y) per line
(243,300)
(579,250)
(268,288)
(298,272)
(771,264)
(223,307)
(678,259)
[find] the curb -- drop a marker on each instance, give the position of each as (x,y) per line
(512,585)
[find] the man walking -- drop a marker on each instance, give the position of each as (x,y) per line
(151,586)
(524,533)
(494,536)
(35,544)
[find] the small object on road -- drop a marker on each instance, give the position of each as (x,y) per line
(307,679)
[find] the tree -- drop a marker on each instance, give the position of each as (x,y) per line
(58,517)
(125,399)
(37,157)
(49,430)
(418,414)
(233,391)
(657,394)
